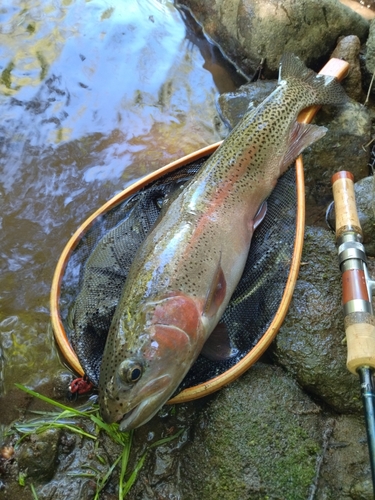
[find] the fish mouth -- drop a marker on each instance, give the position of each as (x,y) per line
(135,417)
(149,401)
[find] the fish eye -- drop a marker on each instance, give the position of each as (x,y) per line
(130,371)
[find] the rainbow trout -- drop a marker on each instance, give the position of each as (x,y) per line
(189,265)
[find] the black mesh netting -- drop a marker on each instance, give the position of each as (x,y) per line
(96,271)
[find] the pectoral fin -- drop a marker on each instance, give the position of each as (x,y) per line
(218,345)
(301,136)
(216,292)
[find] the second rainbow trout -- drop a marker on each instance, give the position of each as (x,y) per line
(186,270)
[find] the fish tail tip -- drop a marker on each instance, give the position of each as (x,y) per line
(327,89)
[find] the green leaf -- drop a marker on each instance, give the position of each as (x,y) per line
(21,478)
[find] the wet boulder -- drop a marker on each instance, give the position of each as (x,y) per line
(37,458)
(343,469)
(259,438)
(249,31)
(233,105)
(342,148)
(264,438)
(311,342)
(348,48)
(365,199)
(369,57)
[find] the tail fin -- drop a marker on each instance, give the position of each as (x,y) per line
(326,89)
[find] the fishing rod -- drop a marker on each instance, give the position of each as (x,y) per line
(357,291)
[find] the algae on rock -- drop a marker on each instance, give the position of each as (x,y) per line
(261,438)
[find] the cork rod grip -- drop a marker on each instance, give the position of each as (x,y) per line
(345,207)
(359,320)
(360,337)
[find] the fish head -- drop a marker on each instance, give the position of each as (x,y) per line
(146,358)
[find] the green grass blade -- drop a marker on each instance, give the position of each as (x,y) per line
(72,428)
(133,476)
(124,465)
(35,496)
(50,401)
(167,439)
(102,425)
(100,484)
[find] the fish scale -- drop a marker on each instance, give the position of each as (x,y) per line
(187,268)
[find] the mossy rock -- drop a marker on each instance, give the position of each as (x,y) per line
(258,439)
(311,342)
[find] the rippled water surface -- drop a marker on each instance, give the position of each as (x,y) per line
(93,95)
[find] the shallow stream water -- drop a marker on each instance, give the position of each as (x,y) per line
(93,95)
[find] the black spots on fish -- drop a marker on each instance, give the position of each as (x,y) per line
(187,277)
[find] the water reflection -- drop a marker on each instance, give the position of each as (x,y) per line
(92,96)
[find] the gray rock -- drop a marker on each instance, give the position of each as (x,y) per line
(342,148)
(365,199)
(233,105)
(345,471)
(311,342)
(348,49)
(38,458)
(79,457)
(362,490)
(249,30)
(370,51)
